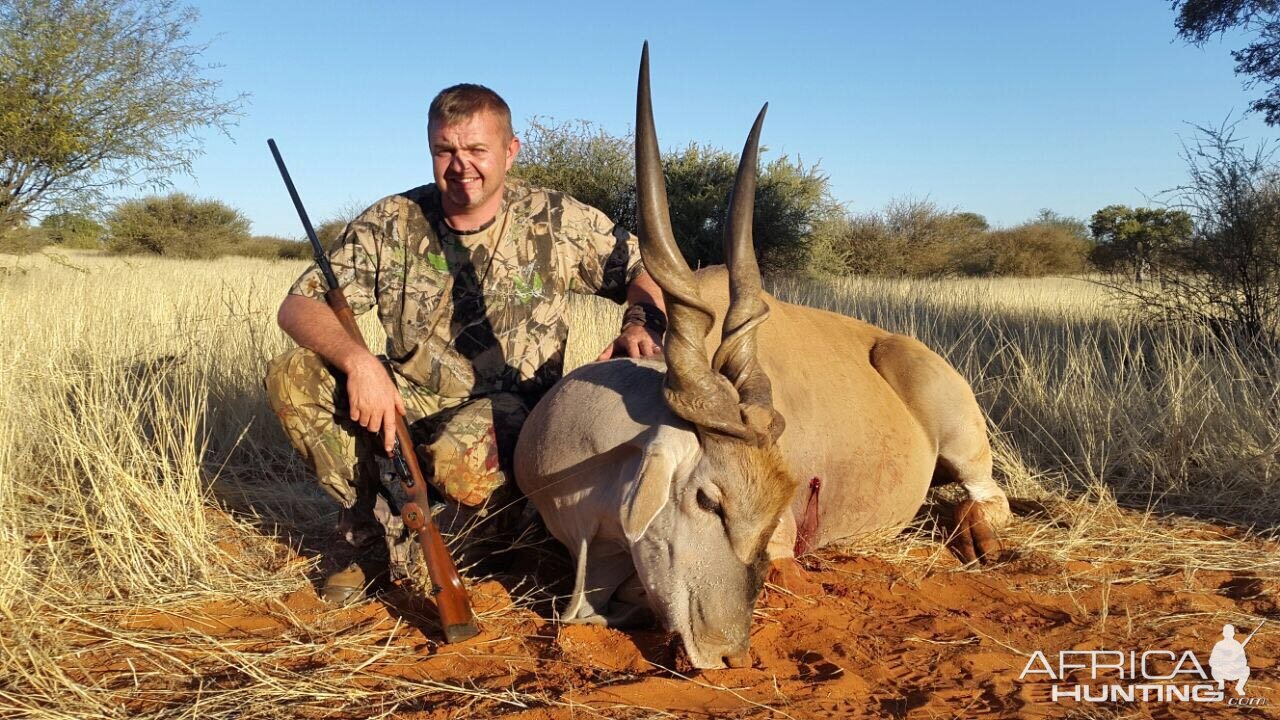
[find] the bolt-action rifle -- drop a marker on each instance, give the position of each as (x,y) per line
(456,618)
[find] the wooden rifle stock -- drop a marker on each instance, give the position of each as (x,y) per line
(456,617)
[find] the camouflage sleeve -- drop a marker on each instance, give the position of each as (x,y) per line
(608,254)
(354,261)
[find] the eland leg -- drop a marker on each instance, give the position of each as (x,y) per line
(943,403)
(605,587)
(978,518)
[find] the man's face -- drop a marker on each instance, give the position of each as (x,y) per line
(470,160)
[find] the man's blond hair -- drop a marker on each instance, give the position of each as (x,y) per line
(463,101)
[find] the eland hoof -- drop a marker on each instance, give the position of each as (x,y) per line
(973,538)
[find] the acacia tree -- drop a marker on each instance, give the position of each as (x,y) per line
(96,95)
(1138,239)
(1200,20)
(1231,278)
(1226,277)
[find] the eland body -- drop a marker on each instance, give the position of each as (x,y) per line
(673,485)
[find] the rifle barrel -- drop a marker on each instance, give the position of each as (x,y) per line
(322,260)
(1255,632)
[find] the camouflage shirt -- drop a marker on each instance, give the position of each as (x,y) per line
(469,314)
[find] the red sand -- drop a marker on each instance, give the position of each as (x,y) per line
(878,640)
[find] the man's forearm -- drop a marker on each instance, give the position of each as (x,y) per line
(313,325)
(644,290)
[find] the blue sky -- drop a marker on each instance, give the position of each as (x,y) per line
(1000,108)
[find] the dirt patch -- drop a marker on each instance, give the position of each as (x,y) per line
(910,639)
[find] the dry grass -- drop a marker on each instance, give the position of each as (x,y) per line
(1086,400)
(140,470)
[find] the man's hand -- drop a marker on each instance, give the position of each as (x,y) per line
(636,341)
(374,401)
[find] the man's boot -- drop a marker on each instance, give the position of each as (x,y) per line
(350,585)
(363,526)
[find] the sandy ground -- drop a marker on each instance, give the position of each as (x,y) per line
(915,638)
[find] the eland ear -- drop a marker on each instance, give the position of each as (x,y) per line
(649,491)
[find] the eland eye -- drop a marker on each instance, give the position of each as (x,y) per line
(712,506)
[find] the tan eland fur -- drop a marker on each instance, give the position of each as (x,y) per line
(870,413)
(674,485)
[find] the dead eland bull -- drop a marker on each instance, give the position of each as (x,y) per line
(668,483)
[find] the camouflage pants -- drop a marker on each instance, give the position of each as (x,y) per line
(465,446)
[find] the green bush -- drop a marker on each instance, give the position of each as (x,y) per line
(1031,250)
(329,232)
(909,238)
(270,247)
(583,161)
(698,182)
(176,225)
(1072,226)
(798,227)
(792,203)
(22,240)
(792,200)
(292,250)
(72,230)
(916,238)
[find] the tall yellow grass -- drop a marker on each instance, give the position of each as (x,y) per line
(1086,397)
(139,465)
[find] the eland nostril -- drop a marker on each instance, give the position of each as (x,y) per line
(738,660)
